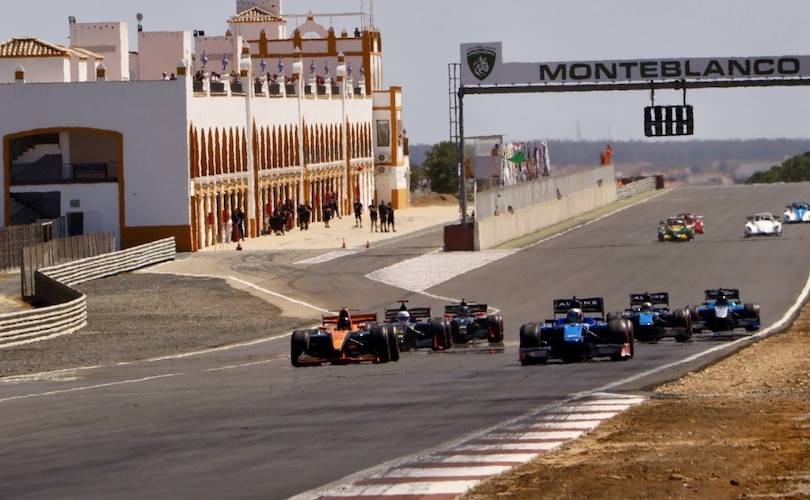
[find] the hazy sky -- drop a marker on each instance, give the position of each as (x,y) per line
(421,36)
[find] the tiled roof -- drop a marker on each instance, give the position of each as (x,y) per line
(86,53)
(34,47)
(255,15)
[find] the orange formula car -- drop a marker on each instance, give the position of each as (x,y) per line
(343,339)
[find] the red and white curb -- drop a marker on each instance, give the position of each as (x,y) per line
(453,469)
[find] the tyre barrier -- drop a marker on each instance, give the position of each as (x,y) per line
(64,309)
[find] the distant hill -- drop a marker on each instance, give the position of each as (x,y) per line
(686,160)
(796,169)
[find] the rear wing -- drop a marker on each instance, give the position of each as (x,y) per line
(730,293)
(656,299)
(417,313)
(594,305)
(475,309)
(356,319)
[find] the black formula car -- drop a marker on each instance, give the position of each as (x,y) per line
(573,336)
(416,329)
(653,319)
(722,311)
(344,339)
(470,321)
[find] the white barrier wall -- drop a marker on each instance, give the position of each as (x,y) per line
(527,208)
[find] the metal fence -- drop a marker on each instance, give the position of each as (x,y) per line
(14,238)
(61,251)
(512,198)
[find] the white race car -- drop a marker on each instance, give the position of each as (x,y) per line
(763,224)
(797,212)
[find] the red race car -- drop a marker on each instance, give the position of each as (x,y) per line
(692,220)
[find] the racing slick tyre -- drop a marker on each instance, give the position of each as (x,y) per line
(393,343)
(620,331)
(455,333)
(298,346)
(441,335)
(495,328)
(379,343)
(683,318)
(751,311)
(693,313)
(614,315)
(530,337)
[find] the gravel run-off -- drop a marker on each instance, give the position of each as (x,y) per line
(140,316)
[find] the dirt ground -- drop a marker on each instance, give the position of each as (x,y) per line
(739,429)
(433,199)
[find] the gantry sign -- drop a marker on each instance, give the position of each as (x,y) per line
(483,71)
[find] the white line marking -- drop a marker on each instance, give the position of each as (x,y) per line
(417,488)
(416,471)
(510,446)
(327,257)
(430,270)
(90,387)
(242,365)
(247,284)
(589,407)
(575,417)
(538,435)
(585,425)
(511,457)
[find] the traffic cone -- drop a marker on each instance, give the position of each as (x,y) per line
(344,243)
(367,244)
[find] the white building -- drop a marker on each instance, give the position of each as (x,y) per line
(95,132)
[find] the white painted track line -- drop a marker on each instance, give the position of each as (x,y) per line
(549,435)
(510,447)
(416,488)
(488,458)
(483,470)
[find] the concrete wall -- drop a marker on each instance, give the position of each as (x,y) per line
(98,202)
(579,193)
(638,187)
(161,51)
(109,39)
(37,69)
(151,116)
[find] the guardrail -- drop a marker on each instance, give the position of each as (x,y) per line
(65,309)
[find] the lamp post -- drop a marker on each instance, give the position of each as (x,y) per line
(340,74)
(298,74)
(246,74)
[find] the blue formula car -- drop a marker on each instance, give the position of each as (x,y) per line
(578,332)
(722,311)
(797,212)
(653,319)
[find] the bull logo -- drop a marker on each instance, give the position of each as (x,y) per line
(481,61)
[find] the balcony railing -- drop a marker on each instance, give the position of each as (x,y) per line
(26,174)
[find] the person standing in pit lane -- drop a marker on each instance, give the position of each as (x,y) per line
(372,213)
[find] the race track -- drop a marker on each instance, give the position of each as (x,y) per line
(244,423)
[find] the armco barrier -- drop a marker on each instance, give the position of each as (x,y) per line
(65,309)
(530,207)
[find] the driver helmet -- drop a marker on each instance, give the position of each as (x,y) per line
(646,307)
(403,316)
(721,299)
(574,316)
(344,320)
(465,311)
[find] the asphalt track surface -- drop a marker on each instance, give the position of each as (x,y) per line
(243,423)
